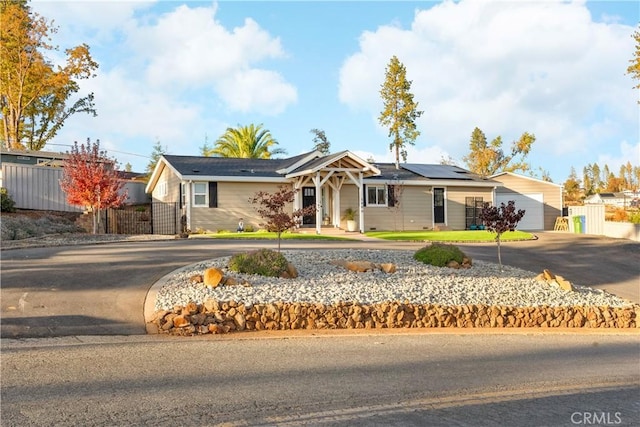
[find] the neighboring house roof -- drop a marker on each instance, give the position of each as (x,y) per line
(497,175)
(42,158)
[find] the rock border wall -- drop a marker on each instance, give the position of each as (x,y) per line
(215,317)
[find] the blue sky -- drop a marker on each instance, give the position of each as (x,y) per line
(180,72)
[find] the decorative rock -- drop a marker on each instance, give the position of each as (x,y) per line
(190,308)
(564,283)
(212,277)
(548,275)
(196,278)
(181,321)
(291,271)
(388,267)
(229,281)
(453,264)
(211,306)
(360,266)
(240,321)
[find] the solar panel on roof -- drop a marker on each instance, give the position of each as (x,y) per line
(437,171)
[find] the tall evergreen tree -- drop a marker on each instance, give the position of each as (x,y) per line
(321,142)
(634,67)
(158,151)
(399,112)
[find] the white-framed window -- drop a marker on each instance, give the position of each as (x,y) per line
(376,195)
(200,194)
(162,189)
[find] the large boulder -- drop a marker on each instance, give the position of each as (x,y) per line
(213,277)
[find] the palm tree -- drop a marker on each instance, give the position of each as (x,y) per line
(249,142)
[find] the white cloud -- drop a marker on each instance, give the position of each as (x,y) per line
(260,90)
(187,48)
(628,153)
(506,67)
(184,49)
(96,20)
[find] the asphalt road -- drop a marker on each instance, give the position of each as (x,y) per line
(97,368)
(420,379)
(101,289)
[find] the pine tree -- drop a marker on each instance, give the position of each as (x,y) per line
(399,112)
(158,151)
(321,142)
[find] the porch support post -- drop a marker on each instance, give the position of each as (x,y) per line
(336,205)
(187,190)
(296,195)
(360,197)
(318,184)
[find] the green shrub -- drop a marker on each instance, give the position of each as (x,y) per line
(634,217)
(439,254)
(249,229)
(264,262)
(6,202)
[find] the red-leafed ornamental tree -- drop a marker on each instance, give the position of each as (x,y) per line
(500,220)
(272,209)
(90,179)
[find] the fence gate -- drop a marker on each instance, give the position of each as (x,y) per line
(154,218)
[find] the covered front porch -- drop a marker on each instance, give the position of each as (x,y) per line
(320,183)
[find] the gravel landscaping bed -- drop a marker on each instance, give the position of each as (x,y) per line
(321,282)
(328,296)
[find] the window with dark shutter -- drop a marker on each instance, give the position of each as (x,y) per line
(391,196)
(213,194)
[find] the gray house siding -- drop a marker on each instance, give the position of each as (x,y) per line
(36,187)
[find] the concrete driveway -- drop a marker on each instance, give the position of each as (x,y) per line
(101,289)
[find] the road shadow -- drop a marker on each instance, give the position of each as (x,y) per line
(65,325)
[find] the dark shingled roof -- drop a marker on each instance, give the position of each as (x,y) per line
(230,166)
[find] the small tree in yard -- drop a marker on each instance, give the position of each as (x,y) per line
(90,179)
(394,198)
(501,219)
(271,208)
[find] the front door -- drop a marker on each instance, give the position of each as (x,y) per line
(438,205)
(308,199)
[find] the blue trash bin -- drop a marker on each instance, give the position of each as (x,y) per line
(583,224)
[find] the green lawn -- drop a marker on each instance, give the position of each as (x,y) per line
(449,236)
(262,235)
